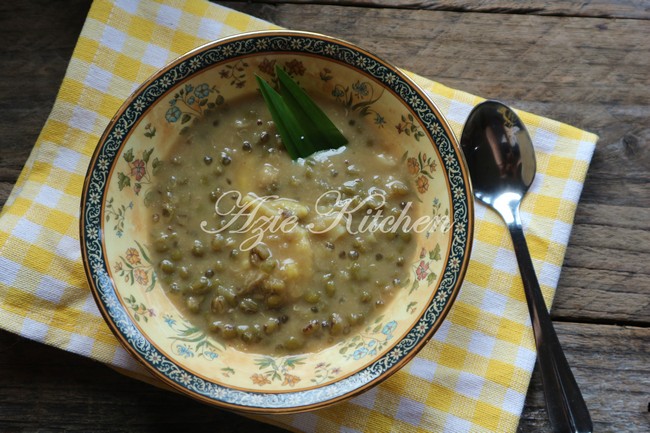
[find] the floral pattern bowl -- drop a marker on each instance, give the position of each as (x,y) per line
(115,248)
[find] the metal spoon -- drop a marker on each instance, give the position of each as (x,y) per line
(501,161)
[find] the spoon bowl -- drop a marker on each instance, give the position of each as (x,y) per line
(499,151)
(501,160)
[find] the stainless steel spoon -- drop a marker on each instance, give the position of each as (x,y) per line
(501,161)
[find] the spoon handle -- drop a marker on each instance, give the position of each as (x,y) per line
(566,408)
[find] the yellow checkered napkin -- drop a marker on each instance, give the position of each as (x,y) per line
(473,376)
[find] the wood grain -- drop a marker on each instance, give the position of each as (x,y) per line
(583,63)
(46,389)
(600,8)
(611,365)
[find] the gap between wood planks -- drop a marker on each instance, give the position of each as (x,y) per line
(629,9)
(599,321)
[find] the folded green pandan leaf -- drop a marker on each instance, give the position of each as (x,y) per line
(285,121)
(316,122)
(303,126)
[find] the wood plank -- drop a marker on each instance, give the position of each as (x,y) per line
(602,296)
(611,366)
(598,8)
(613,216)
(626,239)
(605,275)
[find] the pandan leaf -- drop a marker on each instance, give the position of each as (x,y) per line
(303,126)
(283,118)
(318,125)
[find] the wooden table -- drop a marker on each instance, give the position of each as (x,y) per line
(583,63)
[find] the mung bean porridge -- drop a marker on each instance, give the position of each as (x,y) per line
(278,256)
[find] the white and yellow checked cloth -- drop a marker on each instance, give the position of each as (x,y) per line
(474,374)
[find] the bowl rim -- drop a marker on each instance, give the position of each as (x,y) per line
(94,277)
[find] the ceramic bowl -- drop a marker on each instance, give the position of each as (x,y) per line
(114,228)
